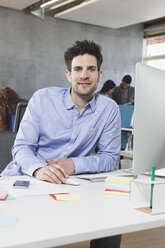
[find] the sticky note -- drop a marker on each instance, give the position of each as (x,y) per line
(69,198)
(7,221)
(10,197)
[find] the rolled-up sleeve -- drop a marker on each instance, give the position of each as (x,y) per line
(26,143)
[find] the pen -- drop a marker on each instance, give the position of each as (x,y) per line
(152,185)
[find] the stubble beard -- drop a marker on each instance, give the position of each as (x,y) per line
(80,92)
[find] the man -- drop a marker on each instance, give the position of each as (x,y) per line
(62,127)
(124,93)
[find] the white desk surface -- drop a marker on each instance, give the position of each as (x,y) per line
(128,154)
(44,222)
(127,129)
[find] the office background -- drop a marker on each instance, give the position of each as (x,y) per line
(32,50)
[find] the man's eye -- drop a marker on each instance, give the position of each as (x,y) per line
(92,69)
(77,69)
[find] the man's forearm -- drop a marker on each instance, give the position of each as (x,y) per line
(27,161)
(95,164)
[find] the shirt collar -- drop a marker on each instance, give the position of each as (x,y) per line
(92,103)
(68,100)
(69,103)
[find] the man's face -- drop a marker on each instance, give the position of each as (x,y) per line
(125,86)
(84,75)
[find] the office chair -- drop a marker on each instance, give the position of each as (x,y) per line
(126,112)
(20,110)
(6,141)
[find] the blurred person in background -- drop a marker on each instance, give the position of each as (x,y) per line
(108,88)
(124,93)
(8,103)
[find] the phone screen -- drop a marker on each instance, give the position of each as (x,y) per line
(21,184)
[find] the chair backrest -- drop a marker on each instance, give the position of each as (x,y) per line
(20,110)
(126,112)
(6,143)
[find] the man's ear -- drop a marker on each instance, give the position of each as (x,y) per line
(100,75)
(68,75)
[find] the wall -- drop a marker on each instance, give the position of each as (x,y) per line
(31,50)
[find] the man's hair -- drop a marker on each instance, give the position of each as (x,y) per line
(81,48)
(127,79)
(108,85)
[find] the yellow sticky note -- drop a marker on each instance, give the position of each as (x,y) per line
(69,198)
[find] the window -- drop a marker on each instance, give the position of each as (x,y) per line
(154,50)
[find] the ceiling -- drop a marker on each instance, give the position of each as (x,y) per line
(106,13)
(17,4)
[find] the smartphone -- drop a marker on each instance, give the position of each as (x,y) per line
(21,184)
(3,195)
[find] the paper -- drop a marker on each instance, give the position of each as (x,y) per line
(158,205)
(160,172)
(10,197)
(69,197)
(54,195)
(7,221)
(119,180)
(100,177)
(141,192)
(36,187)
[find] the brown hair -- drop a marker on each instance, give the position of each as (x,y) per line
(108,85)
(127,79)
(81,48)
(8,103)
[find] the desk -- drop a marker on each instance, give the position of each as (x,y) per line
(44,222)
(127,129)
(127,154)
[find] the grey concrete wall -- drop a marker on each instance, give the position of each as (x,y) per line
(32,50)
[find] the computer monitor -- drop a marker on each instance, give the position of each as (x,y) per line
(149,119)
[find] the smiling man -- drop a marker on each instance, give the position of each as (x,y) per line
(62,127)
(84,77)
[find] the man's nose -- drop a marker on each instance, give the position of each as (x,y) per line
(84,74)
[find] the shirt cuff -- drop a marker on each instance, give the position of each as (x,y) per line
(79,164)
(32,169)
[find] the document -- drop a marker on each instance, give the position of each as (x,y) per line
(158,173)
(100,177)
(36,187)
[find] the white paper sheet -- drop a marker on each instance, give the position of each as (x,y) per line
(100,177)
(36,187)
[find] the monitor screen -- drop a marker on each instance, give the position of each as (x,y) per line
(149,119)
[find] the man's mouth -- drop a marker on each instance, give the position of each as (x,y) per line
(84,83)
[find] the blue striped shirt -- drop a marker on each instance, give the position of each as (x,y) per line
(52,128)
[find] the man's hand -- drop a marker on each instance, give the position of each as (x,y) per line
(65,164)
(57,170)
